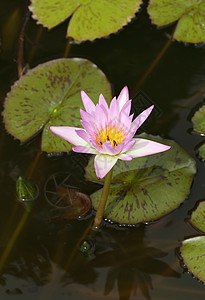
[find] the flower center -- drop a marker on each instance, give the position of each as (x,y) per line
(111,134)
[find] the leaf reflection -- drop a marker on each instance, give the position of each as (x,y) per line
(130,263)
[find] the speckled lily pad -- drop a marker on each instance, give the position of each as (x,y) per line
(189,13)
(198,217)
(193,253)
(199,120)
(89,19)
(147,188)
(193,249)
(50,95)
(199,127)
(202,151)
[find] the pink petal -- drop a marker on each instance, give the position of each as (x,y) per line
(119,147)
(87,116)
(98,147)
(103,102)
(100,117)
(123,97)
(83,134)
(106,111)
(84,149)
(145,147)
(125,121)
(140,119)
(103,164)
(125,157)
(126,108)
(114,110)
(87,102)
(69,134)
(89,127)
(109,149)
(128,146)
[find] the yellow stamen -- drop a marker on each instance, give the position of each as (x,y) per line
(111,134)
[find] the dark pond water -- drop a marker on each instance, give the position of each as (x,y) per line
(39,255)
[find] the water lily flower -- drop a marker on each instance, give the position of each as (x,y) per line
(109,132)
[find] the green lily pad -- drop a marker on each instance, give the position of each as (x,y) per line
(202,151)
(199,120)
(193,254)
(189,13)
(149,187)
(89,19)
(50,95)
(198,217)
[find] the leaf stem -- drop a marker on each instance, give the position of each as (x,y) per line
(103,200)
(20,44)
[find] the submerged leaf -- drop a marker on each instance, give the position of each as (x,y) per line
(76,204)
(199,120)
(26,192)
(50,95)
(25,189)
(67,202)
(193,254)
(89,19)
(198,217)
(147,188)
(190,13)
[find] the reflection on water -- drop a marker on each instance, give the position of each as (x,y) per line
(41,257)
(130,263)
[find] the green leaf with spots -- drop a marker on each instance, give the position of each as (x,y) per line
(88,19)
(189,13)
(202,151)
(198,217)
(199,126)
(193,253)
(149,187)
(50,95)
(199,120)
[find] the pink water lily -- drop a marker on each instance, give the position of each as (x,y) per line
(108,132)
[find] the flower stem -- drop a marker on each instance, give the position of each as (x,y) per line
(103,200)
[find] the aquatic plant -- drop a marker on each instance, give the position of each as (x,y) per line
(88,19)
(108,132)
(192,249)
(189,14)
(199,127)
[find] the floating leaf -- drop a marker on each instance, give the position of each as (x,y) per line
(190,13)
(50,95)
(147,188)
(199,126)
(199,120)
(193,253)
(198,217)
(89,19)
(202,151)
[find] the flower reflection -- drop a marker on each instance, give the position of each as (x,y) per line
(131,263)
